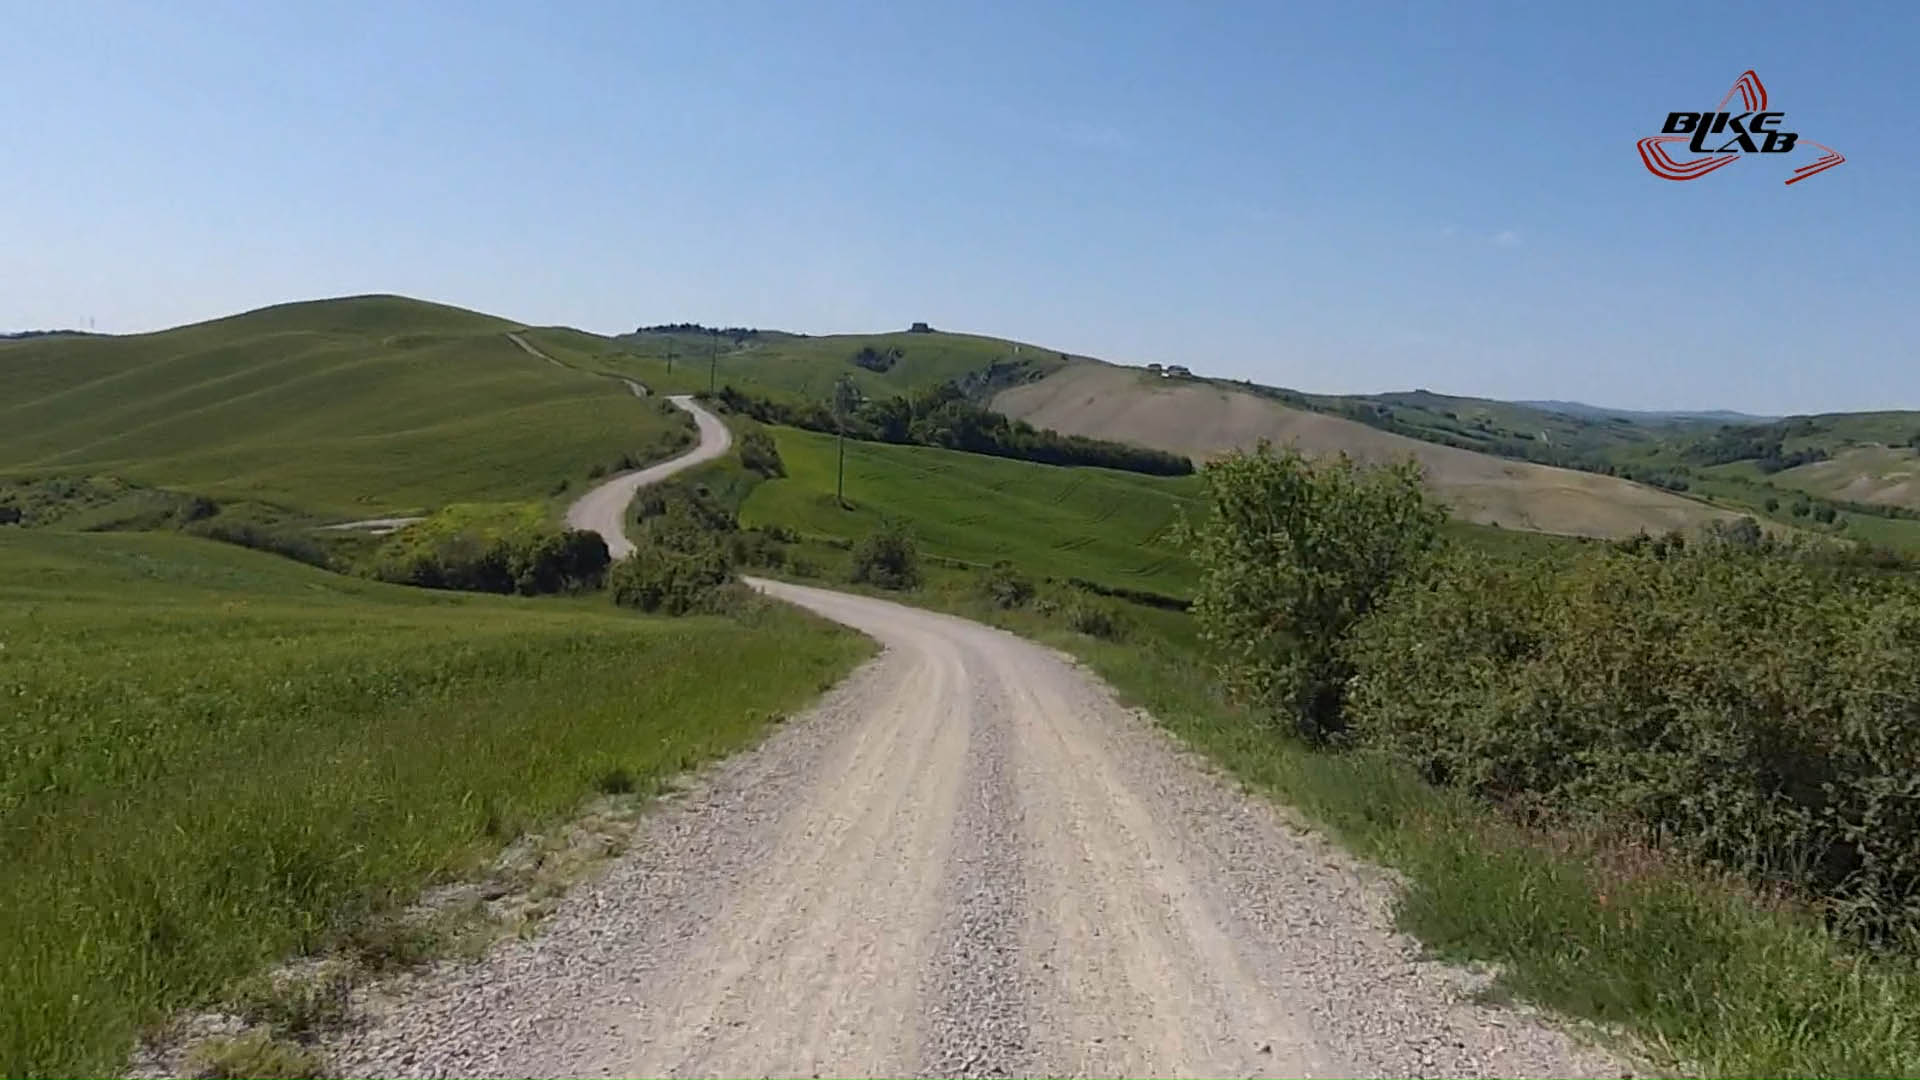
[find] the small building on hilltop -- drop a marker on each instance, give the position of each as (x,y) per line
(919,328)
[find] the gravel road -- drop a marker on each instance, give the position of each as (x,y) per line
(604,508)
(968,859)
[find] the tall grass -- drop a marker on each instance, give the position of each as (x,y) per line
(211,757)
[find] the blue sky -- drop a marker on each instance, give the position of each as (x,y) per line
(1331,197)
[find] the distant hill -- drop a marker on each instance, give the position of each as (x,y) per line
(805,365)
(1868,460)
(1596,412)
(1203,419)
(359,406)
(372,405)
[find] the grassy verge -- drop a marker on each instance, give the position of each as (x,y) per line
(1699,970)
(211,757)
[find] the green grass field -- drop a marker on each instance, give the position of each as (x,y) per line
(1099,525)
(357,407)
(211,757)
(1104,526)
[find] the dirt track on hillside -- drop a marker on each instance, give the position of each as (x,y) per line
(604,508)
(967,860)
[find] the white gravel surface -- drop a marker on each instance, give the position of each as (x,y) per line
(967,860)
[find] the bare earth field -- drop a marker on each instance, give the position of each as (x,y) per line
(1204,421)
(1868,474)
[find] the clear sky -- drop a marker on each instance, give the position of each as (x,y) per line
(1333,197)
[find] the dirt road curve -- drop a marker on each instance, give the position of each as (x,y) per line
(968,859)
(604,508)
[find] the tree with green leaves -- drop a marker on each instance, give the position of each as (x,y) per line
(1293,554)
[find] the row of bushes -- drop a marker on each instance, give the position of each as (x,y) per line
(1752,709)
(290,543)
(529,563)
(1748,703)
(684,551)
(687,546)
(945,417)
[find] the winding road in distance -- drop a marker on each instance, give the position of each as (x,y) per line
(967,859)
(604,508)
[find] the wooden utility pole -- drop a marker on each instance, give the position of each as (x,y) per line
(846,398)
(713,357)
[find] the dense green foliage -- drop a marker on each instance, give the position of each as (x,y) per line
(493,548)
(1757,709)
(1763,446)
(1734,698)
(94,504)
(887,557)
(290,543)
(687,544)
(1005,586)
(210,757)
(759,453)
(1292,556)
(943,416)
(879,360)
(667,581)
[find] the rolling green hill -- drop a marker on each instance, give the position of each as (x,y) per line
(380,405)
(354,407)
(1504,428)
(798,366)
(1107,527)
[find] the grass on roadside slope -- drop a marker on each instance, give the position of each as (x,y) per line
(1101,525)
(212,757)
(353,407)
(1698,970)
